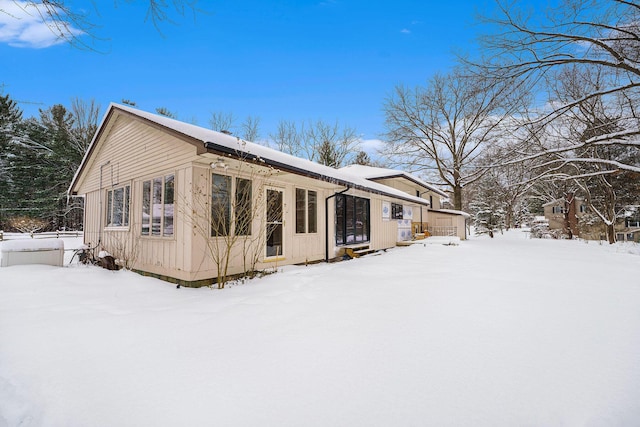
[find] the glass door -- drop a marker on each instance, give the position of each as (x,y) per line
(275,223)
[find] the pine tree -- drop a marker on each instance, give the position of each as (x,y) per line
(59,162)
(488,207)
(10,130)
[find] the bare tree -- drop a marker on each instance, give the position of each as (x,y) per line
(164,111)
(221,121)
(582,34)
(86,115)
(289,137)
(328,144)
(331,144)
(444,126)
(228,213)
(250,128)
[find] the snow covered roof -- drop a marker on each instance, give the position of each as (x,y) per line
(561,201)
(452,212)
(373,173)
(222,143)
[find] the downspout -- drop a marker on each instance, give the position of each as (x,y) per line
(101,197)
(326,222)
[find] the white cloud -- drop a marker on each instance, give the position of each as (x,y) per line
(405,31)
(21,25)
(371,146)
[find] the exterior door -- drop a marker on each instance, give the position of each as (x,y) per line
(275,223)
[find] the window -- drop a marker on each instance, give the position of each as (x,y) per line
(583,208)
(396,211)
(243,207)
(167,229)
(158,206)
(632,222)
(558,210)
(118,207)
(223,206)
(220,205)
(352,220)
(312,211)
(306,211)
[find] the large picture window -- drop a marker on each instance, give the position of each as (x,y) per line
(117,212)
(352,220)
(158,206)
(306,211)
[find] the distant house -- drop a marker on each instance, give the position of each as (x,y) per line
(565,214)
(569,217)
(629,227)
(181,202)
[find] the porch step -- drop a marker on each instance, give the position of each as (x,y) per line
(358,251)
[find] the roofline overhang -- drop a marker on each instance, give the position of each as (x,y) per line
(411,179)
(212,147)
(446,212)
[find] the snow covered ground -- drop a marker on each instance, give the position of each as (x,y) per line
(491,332)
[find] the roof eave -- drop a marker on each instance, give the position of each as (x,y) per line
(242,155)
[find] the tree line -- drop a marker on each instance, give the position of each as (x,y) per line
(38,158)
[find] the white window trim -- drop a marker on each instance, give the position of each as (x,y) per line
(123,227)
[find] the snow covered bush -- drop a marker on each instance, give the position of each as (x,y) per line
(25,224)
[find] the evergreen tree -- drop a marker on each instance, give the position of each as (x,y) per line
(38,159)
(10,130)
(363,159)
(58,162)
(488,207)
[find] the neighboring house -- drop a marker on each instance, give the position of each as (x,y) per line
(181,202)
(571,214)
(565,214)
(629,227)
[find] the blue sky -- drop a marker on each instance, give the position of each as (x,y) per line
(293,60)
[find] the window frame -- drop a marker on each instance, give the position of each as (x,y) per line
(306,211)
(157,189)
(233,208)
(397,211)
(109,209)
(347,222)
(215,230)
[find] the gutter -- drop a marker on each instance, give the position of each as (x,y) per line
(241,155)
(326,222)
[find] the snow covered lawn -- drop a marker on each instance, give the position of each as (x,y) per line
(492,332)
